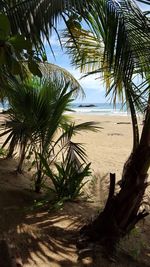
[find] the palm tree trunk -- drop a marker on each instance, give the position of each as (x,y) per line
(22,157)
(135,130)
(122,211)
(38,181)
(11,148)
(134,123)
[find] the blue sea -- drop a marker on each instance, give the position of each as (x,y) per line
(95,109)
(99,109)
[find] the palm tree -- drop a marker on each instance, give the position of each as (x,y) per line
(123,31)
(29,22)
(24,25)
(33,105)
(118,49)
(36,114)
(12,89)
(36,19)
(98,53)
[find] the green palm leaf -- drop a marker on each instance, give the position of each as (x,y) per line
(36,111)
(118,44)
(55,72)
(120,33)
(35,19)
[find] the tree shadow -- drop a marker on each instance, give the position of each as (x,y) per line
(39,237)
(95,256)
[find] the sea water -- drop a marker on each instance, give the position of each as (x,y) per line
(99,109)
(95,109)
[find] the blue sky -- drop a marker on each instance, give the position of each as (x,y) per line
(92,85)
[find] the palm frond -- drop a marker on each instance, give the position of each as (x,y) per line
(120,35)
(36,110)
(36,19)
(86,51)
(55,72)
(71,129)
(74,151)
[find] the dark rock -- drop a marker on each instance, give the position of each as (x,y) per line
(86,106)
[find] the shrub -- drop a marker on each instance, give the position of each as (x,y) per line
(67,179)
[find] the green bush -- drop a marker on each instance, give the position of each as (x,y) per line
(67,179)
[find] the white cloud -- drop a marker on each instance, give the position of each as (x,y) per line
(91,81)
(144,7)
(53,40)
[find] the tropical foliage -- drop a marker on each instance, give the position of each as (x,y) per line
(24,27)
(37,107)
(33,20)
(32,107)
(67,178)
(36,114)
(116,49)
(120,35)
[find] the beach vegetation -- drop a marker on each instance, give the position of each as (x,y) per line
(35,119)
(33,105)
(67,179)
(23,32)
(116,48)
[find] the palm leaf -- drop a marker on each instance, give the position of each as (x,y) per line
(35,19)
(121,34)
(118,44)
(55,72)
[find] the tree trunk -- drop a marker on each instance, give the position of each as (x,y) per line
(22,157)
(122,211)
(7,258)
(11,148)
(38,182)
(135,128)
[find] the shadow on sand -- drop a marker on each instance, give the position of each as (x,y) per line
(46,239)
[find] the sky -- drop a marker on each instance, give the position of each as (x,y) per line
(93,86)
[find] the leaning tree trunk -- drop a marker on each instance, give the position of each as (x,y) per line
(122,211)
(22,157)
(11,148)
(38,182)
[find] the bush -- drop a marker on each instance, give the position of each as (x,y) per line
(67,179)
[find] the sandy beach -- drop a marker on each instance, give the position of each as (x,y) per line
(40,237)
(109,148)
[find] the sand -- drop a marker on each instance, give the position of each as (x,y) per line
(39,238)
(108,149)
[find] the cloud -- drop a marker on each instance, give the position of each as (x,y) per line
(92,84)
(53,40)
(91,81)
(143,7)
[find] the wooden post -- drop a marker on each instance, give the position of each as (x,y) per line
(6,257)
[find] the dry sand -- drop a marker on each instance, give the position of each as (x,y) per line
(39,238)
(109,148)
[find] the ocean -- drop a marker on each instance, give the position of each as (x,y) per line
(99,109)
(89,108)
